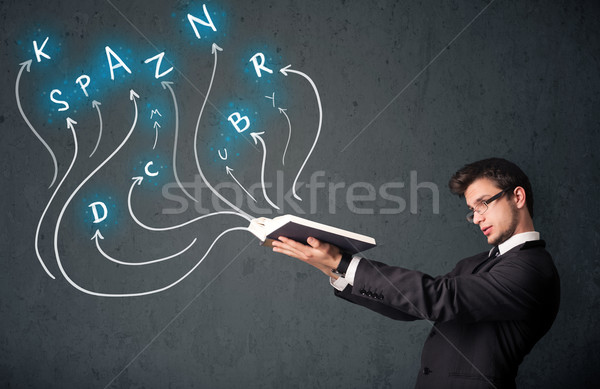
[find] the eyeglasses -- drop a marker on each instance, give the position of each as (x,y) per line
(482,207)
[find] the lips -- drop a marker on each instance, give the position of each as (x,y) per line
(486,230)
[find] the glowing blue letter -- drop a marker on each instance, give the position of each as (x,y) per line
(83,86)
(38,52)
(238,119)
(95,211)
(147,170)
(261,65)
(66,105)
(109,52)
(158,59)
(208,23)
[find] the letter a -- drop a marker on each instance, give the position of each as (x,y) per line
(261,65)
(110,53)
(238,119)
(98,219)
(208,23)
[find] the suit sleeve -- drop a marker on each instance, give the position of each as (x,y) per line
(374,305)
(513,289)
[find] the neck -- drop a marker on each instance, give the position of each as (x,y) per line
(525,224)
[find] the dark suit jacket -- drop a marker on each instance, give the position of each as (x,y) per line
(488,314)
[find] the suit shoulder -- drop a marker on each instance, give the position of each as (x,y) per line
(532,255)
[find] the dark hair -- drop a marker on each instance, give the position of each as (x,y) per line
(504,173)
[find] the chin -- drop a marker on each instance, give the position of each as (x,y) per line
(495,240)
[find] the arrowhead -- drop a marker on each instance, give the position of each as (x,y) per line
(70,123)
(97,235)
(215,48)
(283,70)
(132,94)
(138,180)
(256,136)
(96,104)
(27,64)
(156,125)
(229,170)
(281,110)
(165,84)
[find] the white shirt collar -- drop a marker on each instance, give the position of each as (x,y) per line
(516,240)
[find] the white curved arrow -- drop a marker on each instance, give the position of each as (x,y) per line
(153,291)
(27,64)
(281,110)
(256,137)
(132,96)
(285,71)
(156,127)
(98,236)
(70,123)
(165,85)
(229,171)
(138,181)
(215,49)
(96,104)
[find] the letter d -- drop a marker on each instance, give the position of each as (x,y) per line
(98,219)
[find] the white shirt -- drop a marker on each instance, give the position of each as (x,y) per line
(509,244)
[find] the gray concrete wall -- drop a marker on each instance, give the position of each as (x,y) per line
(421,87)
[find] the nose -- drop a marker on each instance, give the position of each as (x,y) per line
(477,218)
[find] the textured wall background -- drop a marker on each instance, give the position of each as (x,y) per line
(520,80)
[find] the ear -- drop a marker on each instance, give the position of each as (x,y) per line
(519,197)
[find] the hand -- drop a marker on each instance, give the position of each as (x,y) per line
(323,256)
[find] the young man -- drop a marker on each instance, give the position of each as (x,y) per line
(488,312)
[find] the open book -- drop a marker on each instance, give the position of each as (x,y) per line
(300,229)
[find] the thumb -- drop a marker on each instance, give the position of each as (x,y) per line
(314,243)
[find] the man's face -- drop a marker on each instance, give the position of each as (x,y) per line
(500,221)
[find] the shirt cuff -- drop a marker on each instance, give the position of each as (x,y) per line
(341,283)
(351,271)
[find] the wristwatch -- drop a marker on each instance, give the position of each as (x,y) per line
(343,266)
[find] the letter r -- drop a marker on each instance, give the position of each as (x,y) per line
(259,66)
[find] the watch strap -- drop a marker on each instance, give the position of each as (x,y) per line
(343,265)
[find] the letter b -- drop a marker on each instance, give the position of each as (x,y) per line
(238,119)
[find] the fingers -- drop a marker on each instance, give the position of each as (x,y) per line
(318,254)
(291,253)
(312,243)
(304,249)
(289,248)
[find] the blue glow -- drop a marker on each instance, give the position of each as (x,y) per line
(93,64)
(159,165)
(268,84)
(218,17)
(39,33)
(85,214)
(159,112)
